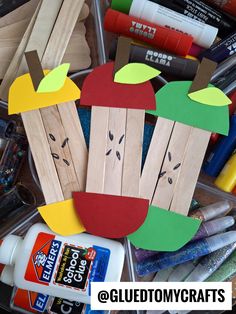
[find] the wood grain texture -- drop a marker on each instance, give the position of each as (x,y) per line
(77,52)
(154,160)
(188,176)
(171,167)
(13,68)
(56,136)
(97,150)
(42,157)
(77,145)
(115,151)
(133,152)
(52,57)
(37,39)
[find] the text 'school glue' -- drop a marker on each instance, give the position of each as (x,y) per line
(203,35)
(24,301)
(226,5)
(222,49)
(158,36)
(61,266)
(222,151)
(226,180)
(211,211)
(164,61)
(200,11)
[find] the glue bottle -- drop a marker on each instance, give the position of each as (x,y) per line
(27,302)
(59,266)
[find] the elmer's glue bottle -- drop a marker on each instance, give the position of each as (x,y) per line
(59,266)
(27,302)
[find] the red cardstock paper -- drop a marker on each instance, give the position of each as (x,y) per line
(99,89)
(110,216)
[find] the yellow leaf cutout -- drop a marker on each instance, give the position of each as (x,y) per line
(54,80)
(211,96)
(62,218)
(135,73)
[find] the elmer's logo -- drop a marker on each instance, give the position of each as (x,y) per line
(44,260)
(38,301)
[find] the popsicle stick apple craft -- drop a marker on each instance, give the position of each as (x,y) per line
(120,93)
(54,133)
(187,112)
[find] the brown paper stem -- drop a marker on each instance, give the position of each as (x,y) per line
(35,67)
(122,53)
(203,76)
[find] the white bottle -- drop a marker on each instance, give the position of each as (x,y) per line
(203,34)
(61,266)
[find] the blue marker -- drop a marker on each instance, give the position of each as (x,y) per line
(191,251)
(222,151)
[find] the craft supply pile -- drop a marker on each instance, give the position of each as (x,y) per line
(129,138)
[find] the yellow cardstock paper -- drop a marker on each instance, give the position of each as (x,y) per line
(23,97)
(61,218)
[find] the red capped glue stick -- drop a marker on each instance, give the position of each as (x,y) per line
(155,35)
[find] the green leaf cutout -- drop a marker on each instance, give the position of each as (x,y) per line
(135,73)
(54,80)
(164,230)
(210,96)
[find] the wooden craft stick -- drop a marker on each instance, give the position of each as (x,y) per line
(154,160)
(188,176)
(115,151)
(133,152)
(37,37)
(77,52)
(38,142)
(42,157)
(25,11)
(15,63)
(97,150)
(66,164)
(172,165)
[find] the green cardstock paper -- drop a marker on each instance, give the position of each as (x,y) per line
(164,230)
(54,80)
(135,73)
(173,103)
(211,96)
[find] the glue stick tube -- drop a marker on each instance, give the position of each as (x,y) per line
(228,6)
(203,34)
(200,11)
(222,49)
(155,35)
(226,180)
(164,61)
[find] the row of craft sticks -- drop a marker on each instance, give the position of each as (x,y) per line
(49,33)
(14,25)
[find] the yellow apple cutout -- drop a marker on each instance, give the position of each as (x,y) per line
(55,88)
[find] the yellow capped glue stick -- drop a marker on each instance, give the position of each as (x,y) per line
(226,180)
